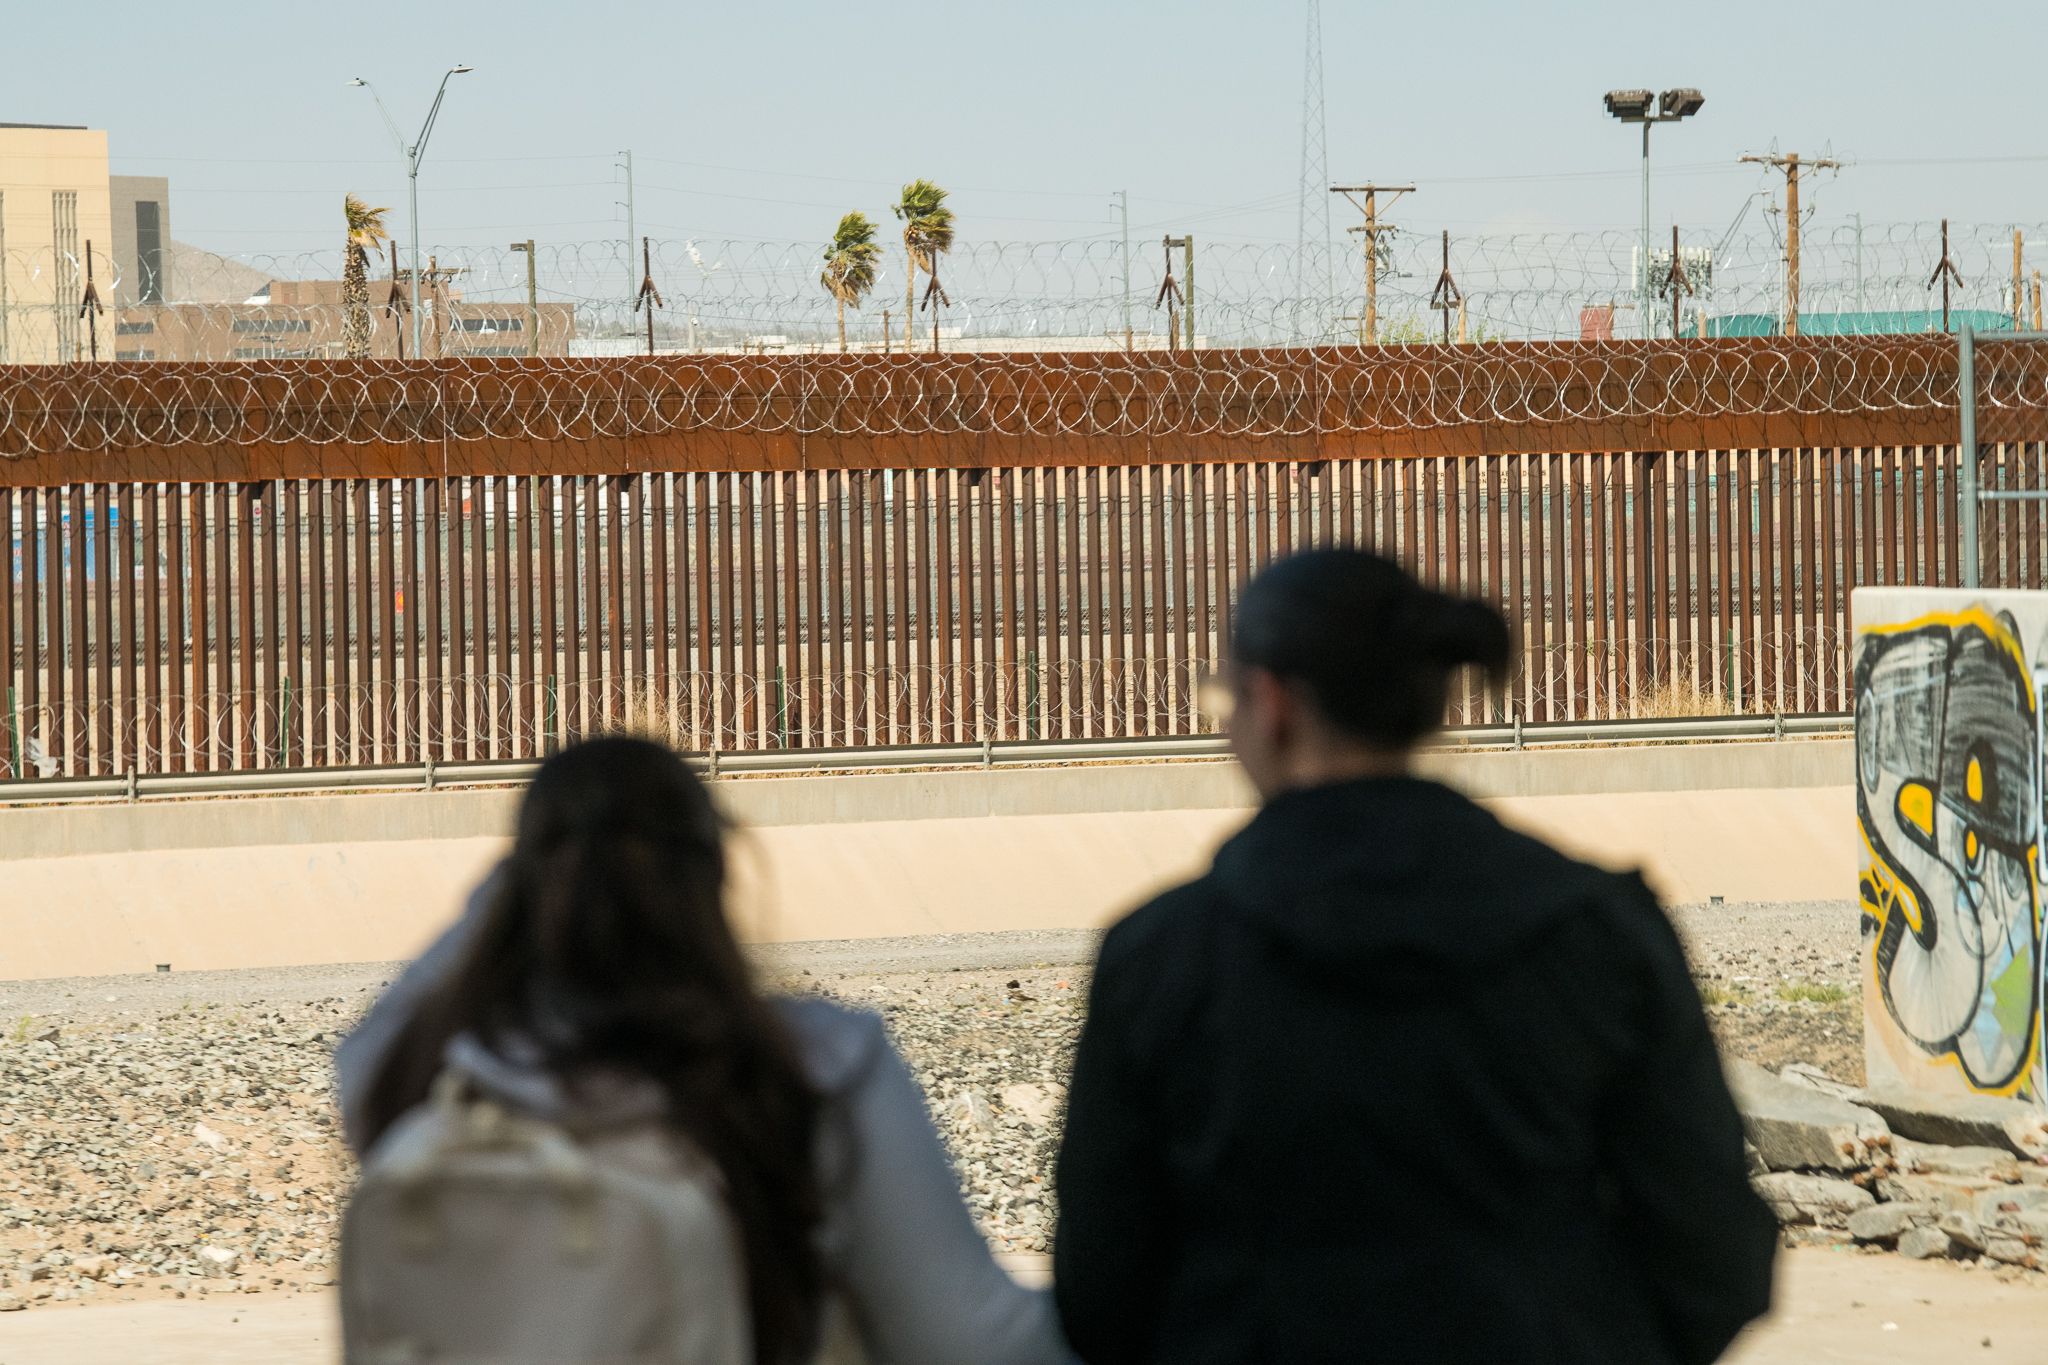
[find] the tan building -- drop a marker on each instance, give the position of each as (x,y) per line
(54,200)
(141,206)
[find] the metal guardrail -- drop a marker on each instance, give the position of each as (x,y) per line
(1004,754)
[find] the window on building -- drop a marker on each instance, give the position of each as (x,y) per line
(134,329)
(149,252)
(490,324)
(267,325)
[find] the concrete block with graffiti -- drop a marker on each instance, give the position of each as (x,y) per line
(1949,809)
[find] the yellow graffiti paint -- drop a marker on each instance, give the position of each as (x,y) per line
(1974,782)
(1892,893)
(1916,805)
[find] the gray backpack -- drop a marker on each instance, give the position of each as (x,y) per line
(480,1237)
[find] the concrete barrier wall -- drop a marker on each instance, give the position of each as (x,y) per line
(372,877)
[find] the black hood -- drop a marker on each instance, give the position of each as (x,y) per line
(1403,866)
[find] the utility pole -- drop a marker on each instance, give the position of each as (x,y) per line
(89,306)
(1123,198)
(1945,273)
(1170,295)
(2018,283)
(532,299)
(629,222)
(1368,329)
(1790,164)
(648,295)
(1678,284)
(1187,302)
(1446,295)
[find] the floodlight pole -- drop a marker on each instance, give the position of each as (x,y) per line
(412,155)
(1675,107)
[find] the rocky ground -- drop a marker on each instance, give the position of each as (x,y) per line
(164,1136)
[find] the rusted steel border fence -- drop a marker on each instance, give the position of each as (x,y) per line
(166,627)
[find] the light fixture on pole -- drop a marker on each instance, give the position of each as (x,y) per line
(412,157)
(1646,108)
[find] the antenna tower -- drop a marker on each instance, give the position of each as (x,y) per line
(1312,214)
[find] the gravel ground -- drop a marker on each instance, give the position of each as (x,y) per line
(144,1119)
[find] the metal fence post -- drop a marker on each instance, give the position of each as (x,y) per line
(1966,402)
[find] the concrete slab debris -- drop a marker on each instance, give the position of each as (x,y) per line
(1817,1199)
(1960,1120)
(1797,1128)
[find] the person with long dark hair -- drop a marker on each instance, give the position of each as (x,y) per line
(595,982)
(1393,1082)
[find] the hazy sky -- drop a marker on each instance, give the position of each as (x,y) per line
(769,120)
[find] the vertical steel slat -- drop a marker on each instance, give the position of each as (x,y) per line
(11,764)
(364,710)
(339,735)
(749,633)
(199,632)
(314,702)
(614,524)
(1187,569)
(1543,589)
(405,592)
(1724,581)
(1626,504)
(153,740)
(1115,525)
(1952,537)
(33,567)
(503,733)
(269,509)
(1006,695)
(78,721)
(1065,594)
(880,634)
(592,698)
(791,569)
(725,568)
(694,648)
(1685,649)
(1767,577)
(863,564)
(1090,600)
(248,631)
(433,624)
(1869,478)
(1432,571)
(934,599)
(1699,485)
(1039,489)
(1556,667)
(1159,596)
(1828,642)
(103,641)
(547,657)
(1600,489)
(126,566)
(383,527)
(1750,656)
(1514,470)
(659,627)
(828,603)
(460,686)
(1807,469)
(987,568)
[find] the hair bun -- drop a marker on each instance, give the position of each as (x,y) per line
(1462,630)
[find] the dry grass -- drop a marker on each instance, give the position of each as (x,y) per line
(1678,698)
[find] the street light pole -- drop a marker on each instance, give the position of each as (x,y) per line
(412,156)
(1636,106)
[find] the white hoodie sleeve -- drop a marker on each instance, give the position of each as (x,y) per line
(922,1281)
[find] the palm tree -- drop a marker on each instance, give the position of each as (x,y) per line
(927,231)
(365,233)
(850,265)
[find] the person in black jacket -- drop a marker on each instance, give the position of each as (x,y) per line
(1393,1082)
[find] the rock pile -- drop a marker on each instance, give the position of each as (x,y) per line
(193,1151)
(1891,1169)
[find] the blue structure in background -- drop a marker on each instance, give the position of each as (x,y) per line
(1917,323)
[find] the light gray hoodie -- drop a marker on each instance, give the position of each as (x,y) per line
(897,1238)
